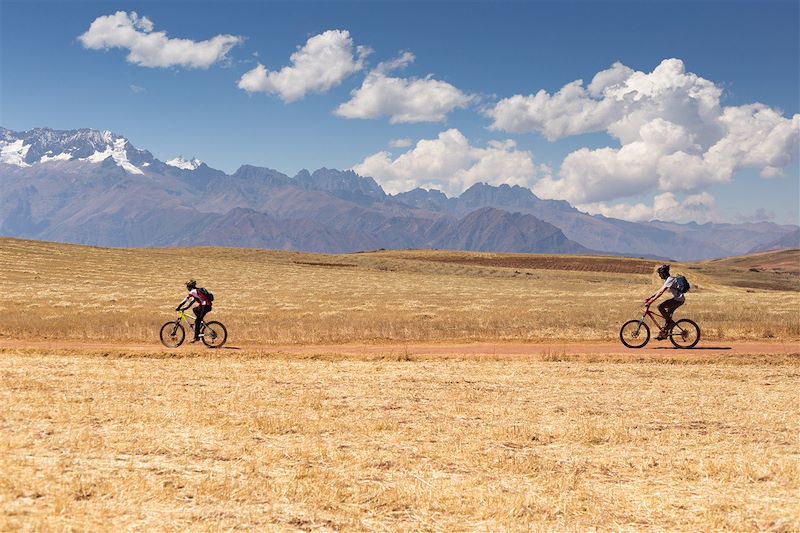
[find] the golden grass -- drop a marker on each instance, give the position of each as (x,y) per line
(213,441)
(205,440)
(73,292)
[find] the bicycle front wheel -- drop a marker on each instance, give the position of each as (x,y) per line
(685,334)
(634,334)
(214,334)
(172,334)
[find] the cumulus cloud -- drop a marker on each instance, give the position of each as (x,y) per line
(154,49)
(570,111)
(324,62)
(674,134)
(666,206)
(450,163)
(403,100)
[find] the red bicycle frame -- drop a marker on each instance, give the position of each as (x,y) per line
(652,315)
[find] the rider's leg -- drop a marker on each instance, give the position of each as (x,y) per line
(667,308)
(199,312)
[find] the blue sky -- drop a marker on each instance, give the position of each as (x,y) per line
(468,91)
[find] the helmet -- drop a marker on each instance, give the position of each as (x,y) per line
(191,284)
(663,271)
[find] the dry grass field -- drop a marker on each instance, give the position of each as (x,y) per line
(208,442)
(149,439)
(60,291)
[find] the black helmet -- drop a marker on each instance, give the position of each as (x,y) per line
(191,284)
(663,271)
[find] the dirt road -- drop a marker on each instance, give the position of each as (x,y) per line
(479,349)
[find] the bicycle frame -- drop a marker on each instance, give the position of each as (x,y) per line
(652,315)
(182,315)
(190,320)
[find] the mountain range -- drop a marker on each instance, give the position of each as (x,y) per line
(90,187)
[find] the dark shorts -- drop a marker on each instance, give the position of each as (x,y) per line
(668,307)
(199,312)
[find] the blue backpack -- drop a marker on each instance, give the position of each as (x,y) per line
(682,284)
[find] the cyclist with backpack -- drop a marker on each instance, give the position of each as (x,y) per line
(678,286)
(204,300)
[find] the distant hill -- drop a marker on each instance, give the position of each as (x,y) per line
(787,242)
(787,261)
(777,270)
(595,232)
(91,187)
(737,239)
(489,229)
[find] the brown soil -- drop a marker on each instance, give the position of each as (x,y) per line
(540,262)
(554,351)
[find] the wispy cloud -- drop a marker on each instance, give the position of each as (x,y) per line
(405,142)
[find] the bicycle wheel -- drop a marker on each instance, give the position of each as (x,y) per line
(172,334)
(214,334)
(633,334)
(685,334)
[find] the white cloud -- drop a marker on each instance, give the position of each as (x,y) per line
(401,143)
(450,163)
(570,111)
(324,62)
(154,49)
(403,100)
(693,208)
(673,133)
(400,62)
(608,173)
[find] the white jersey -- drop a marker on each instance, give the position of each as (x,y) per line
(670,283)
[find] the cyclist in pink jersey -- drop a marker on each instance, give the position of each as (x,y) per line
(201,310)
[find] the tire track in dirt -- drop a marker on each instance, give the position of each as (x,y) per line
(544,262)
(552,351)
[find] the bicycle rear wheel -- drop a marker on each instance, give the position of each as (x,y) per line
(214,334)
(634,334)
(685,334)
(172,334)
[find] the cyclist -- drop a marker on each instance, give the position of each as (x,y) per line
(667,307)
(202,309)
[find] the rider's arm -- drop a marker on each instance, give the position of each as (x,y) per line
(657,295)
(184,302)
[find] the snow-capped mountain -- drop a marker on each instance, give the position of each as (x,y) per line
(180,162)
(95,187)
(44,145)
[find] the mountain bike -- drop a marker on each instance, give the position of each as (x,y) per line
(684,333)
(213,333)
